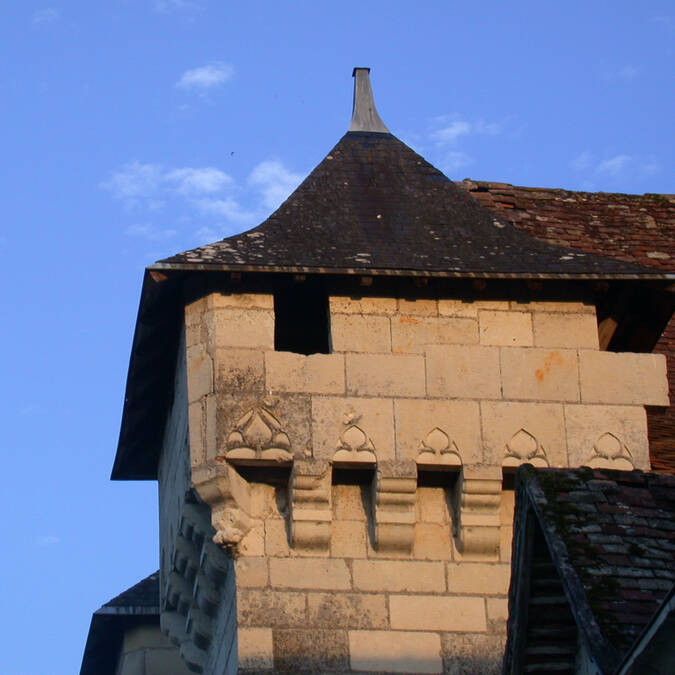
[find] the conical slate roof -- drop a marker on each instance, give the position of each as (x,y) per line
(374,206)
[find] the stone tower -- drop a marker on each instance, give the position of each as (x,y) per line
(333,404)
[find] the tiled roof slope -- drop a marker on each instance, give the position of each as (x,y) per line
(144,594)
(634,228)
(614,531)
(374,205)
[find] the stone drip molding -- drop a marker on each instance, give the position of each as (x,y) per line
(477,514)
(524,448)
(194,587)
(311,509)
(610,453)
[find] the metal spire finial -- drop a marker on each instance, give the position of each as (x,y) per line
(364,114)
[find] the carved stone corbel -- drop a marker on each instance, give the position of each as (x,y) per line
(311,512)
(394,489)
(227,494)
(479,496)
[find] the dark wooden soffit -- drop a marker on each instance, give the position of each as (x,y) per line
(374,206)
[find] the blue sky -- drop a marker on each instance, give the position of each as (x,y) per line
(134,129)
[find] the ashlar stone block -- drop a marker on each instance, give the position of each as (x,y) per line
(241,300)
(631,379)
(265,608)
(385,375)
(461,614)
(254,648)
(347,610)
(418,306)
(310,573)
(336,421)
(565,330)
(456,421)
(199,373)
(616,434)
(395,652)
(362,305)
(479,578)
(360,333)
(505,329)
(463,371)
(524,432)
(540,374)
(411,334)
(239,327)
(399,576)
(314,374)
(239,370)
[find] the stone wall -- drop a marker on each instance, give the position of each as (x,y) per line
(360,491)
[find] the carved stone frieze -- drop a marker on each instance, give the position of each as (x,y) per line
(524,448)
(394,491)
(258,437)
(311,512)
(438,449)
(354,444)
(477,514)
(610,453)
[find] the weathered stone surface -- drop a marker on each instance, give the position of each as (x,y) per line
(460,613)
(574,331)
(540,374)
(395,652)
(472,654)
(292,412)
(349,502)
(333,417)
(360,333)
(255,650)
(459,421)
(316,651)
(418,306)
(270,608)
(385,375)
(587,424)
(347,610)
(241,300)
(276,538)
(362,305)
(251,572)
(638,379)
(432,505)
(253,543)
(504,424)
(497,609)
(199,373)
(505,329)
(411,334)
(467,577)
(252,328)
(348,539)
(398,576)
(468,308)
(432,541)
(565,306)
(310,573)
(463,371)
(505,543)
(314,374)
(239,370)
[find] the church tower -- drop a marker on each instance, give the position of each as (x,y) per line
(334,402)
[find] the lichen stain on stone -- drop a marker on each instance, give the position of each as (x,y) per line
(553,359)
(410,320)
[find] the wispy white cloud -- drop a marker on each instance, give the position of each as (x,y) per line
(47,540)
(274,181)
(452,161)
(582,161)
(206,77)
(190,181)
(150,232)
(586,162)
(134,182)
(175,5)
(614,165)
(448,129)
(46,15)
(624,73)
